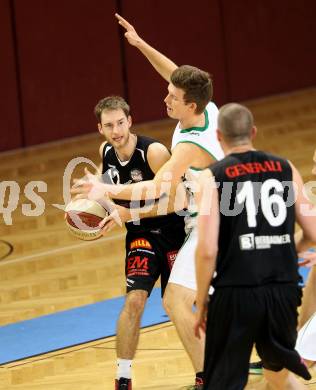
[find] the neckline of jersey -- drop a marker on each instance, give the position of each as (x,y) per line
(198,128)
(124,163)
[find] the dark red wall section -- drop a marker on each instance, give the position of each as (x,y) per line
(61,56)
(69,58)
(10,130)
(270,46)
(186,34)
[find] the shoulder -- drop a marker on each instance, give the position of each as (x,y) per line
(157,155)
(149,145)
(188,154)
(211,112)
(157,147)
(286,165)
(145,142)
(220,164)
(105,147)
(270,156)
(211,108)
(101,148)
(152,146)
(295,173)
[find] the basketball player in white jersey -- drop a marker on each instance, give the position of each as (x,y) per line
(194,146)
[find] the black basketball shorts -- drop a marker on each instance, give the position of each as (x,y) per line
(150,254)
(240,317)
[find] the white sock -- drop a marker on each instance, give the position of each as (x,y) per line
(124,368)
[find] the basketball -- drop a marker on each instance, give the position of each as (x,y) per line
(83,217)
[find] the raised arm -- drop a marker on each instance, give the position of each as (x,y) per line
(163,65)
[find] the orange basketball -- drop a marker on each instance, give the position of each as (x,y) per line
(83,217)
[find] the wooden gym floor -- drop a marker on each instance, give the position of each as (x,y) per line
(49,271)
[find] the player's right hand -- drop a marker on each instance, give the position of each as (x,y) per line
(200,319)
(118,216)
(308,258)
(106,225)
(131,34)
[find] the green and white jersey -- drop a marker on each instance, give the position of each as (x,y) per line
(205,138)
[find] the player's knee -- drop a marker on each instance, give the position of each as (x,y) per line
(135,303)
(169,300)
(177,298)
(166,304)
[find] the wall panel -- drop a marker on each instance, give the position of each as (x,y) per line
(69,55)
(10,128)
(69,58)
(270,46)
(187,35)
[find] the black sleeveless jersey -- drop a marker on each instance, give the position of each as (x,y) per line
(257,218)
(134,170)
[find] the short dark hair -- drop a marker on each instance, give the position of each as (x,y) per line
(111,103)
(235,121)
(196,84)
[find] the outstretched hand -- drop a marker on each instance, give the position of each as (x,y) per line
(88,188)
(131,34)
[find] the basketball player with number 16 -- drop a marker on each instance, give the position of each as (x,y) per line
(247,212)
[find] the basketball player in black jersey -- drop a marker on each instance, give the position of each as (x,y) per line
(151,243)
(246,233)
(306,342)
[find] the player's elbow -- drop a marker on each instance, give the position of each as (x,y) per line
(206,252)
(310,236)
(308,225)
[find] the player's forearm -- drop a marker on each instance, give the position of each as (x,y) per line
(163,65)
(137,191)
(302,243)
(147,211)
(205,267)
(166,204)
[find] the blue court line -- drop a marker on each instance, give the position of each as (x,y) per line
(75,326)
(70,327)
(304,271)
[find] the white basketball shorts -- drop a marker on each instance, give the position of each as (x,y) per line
(183,270)
(306,340)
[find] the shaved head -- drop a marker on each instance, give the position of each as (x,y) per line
(235,123)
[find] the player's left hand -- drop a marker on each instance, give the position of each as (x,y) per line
(89,187)
(200,320)
(309,259)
